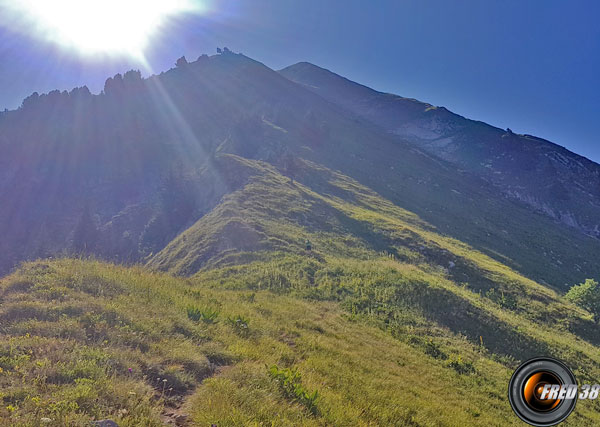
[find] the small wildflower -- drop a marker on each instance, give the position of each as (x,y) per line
(132,393)
(165,380)
(130,370)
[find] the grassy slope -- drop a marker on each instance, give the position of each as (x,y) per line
(349,224)
(72,329)
(464,208)
(373,318)
(284,119)
(384,264)
(516,163)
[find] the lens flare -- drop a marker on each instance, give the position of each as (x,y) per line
(93,27)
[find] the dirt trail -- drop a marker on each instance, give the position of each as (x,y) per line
(175,412)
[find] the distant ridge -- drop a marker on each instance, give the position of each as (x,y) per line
(549,178)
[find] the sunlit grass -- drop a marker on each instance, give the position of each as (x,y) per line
(386,320)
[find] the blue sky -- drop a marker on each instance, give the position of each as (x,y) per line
(532,66)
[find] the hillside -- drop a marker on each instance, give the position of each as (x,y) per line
(122,173)
(255,239)
(84,340)
(291,262)
(101,339)
(547,177)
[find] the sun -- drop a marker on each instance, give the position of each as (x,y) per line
(92,27)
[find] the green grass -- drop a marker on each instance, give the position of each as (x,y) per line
(370,255)
(384,322)
(290,382)
(423,290)
(84,340)
(207,315)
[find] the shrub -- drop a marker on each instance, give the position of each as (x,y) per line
(194,313)
(433,349)
(462,367)
(206,314)
(503,300)
(587,296)
(289,381)
(240,325)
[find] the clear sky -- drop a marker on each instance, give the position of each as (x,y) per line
(533,66)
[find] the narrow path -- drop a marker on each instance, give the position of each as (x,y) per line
(175,413)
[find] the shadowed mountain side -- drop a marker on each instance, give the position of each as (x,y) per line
(122,173)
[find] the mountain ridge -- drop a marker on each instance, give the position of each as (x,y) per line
(483,149)
(146,164)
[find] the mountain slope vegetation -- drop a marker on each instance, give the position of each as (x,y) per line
(352,242)
(84,340)
(292,262)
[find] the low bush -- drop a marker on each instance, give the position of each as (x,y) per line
(240,325)
(289,381)
(463,367)
(206,314)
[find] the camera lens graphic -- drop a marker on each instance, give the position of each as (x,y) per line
(526,388)
(534,387)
